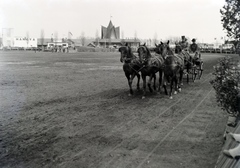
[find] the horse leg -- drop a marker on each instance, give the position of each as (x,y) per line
(165,84)
(152,76)
(176,85)
(160,81)
(150,82)
(171,88)
(181,77)
(129,83)
(138,81)
(132,77)
(154,83)
(187,74)
(144,86)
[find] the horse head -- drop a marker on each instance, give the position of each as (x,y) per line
(143,53)
(178,48)
(126,53)
(163,49)
(158,48)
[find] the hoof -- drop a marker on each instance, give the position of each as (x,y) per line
(181,84)
(129,94)
(175,92)
(179,89)
(171,97)
(143,97)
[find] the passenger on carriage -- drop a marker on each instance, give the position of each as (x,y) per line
(184,46)
(195,52)
(193,47)
(184,43)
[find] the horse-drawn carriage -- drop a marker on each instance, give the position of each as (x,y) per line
(170,64)
(193,63)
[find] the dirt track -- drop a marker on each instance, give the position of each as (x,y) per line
(73,110)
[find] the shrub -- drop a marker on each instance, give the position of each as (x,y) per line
(225,83)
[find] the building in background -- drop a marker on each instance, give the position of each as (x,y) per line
(24,42)
(110,38)
(7,37)
(110,32)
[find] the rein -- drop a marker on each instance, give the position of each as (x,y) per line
(135,69)
(131,62)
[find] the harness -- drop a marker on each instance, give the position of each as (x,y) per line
(135,69)
(126,59)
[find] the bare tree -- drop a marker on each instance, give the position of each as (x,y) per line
(135,36)
(97,37)
(56,36)
(83,38)
(174,39)
(122,33)
(42,37)
(122,39)
(27,38)
(155,41)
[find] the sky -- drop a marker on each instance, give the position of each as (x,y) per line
(145,19)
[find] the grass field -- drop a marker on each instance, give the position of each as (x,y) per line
(73,110)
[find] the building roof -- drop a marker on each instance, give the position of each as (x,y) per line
(49,40)
(91,45)
(119,40)
(45,41)
(110,32)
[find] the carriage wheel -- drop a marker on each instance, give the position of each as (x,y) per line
(200,70)
(187,75)
(194,73)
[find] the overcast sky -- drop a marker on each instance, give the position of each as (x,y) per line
(199,19)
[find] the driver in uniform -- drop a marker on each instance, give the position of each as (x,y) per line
(194,50)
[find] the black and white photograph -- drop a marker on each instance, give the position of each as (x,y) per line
(119,83)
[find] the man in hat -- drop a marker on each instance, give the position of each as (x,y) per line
(193,47)
(195,52)
(184,43)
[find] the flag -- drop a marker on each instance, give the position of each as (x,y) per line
(70,33)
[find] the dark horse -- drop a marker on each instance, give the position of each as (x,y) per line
(188,60)
(131,66)
(152,65)
(173,66)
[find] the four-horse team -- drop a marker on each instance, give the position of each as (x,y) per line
(170,64)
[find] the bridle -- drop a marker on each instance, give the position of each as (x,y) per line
(130,60)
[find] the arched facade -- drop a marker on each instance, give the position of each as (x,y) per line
(110,32)
(110,38)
